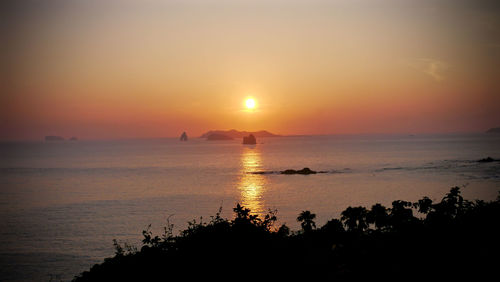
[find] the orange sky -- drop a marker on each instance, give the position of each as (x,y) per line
(126,69)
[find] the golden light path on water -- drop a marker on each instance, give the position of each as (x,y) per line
(251,185)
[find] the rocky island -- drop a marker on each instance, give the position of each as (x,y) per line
(184,136)
(487,160)
(249,140)
(304,171)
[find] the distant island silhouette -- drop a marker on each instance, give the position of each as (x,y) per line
(305,171)
(218,136)
(233,133)
(184,136)
(249,140)
(487,160)
(493,130)
(54,138)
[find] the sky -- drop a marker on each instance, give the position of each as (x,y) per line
(141,69)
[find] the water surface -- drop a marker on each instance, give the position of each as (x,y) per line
(62,203)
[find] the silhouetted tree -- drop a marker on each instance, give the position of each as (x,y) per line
(451,206)
(283,231)
(452,203)
(401,214)
(269,220)
(149,240)
(378,216)
(243,215)
(355,218)
(306,219)
(333,226)
(423,205)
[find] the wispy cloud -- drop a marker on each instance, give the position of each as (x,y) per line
(432,67)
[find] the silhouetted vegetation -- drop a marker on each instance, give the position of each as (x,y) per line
(451,239)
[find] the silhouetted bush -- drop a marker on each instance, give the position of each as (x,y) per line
(452,239)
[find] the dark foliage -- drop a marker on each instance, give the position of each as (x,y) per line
(306,219)
(451,239)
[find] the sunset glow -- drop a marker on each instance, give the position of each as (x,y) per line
(250,103)
(123,69)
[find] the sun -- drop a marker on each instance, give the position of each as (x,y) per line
(250,103)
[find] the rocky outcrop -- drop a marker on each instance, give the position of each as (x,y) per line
(184,136)
(487,160)
(249,140)
(305,170)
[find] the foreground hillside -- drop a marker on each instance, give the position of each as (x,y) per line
(451,239)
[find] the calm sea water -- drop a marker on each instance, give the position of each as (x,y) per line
(62,204)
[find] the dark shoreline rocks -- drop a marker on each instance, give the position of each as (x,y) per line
(487,160)
(304,171)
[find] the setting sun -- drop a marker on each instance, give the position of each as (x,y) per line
(250,103)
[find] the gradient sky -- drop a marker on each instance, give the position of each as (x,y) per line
(124,69)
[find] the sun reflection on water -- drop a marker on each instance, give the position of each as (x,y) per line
(251,185)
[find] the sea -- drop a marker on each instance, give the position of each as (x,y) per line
(63,203)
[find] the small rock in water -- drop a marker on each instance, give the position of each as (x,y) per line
(305,170)
(184,136)
(249,140)
(487,160)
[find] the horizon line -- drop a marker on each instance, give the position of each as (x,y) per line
(41,139)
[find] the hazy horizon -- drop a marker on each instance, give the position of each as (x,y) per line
(198,136)
(149,69)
